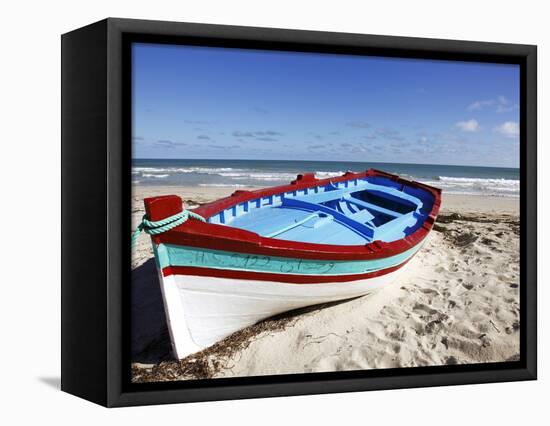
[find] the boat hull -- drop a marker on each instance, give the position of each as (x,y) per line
(202,310)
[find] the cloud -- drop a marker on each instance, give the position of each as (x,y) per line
(479,105)
(137,138)
(353,148)
(423,140)
(451,136)
(500,104)
(357,149)
(166,143)
(388,134)
(359,124)
(504,105)
(266,139)
(239,134)
(268,133)
(203,137)
(224,146)
(510,129)
(316,136)
(198,122)
(468,126)
(256,134)
(320,146)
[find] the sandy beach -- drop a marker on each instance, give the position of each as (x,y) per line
(457,303)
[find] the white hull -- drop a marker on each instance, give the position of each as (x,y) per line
(201,311)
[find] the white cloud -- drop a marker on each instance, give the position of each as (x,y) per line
(468,126)
(479,105)
(504,105)
(510,129)
(500,104)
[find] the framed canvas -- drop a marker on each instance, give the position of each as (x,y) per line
(255,212)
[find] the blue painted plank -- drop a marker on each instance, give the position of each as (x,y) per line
(362,216)
(395,229)
(356,226)
(309,218)
(331,233)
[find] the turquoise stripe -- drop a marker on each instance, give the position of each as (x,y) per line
(170,255)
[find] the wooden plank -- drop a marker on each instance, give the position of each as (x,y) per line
(360,228)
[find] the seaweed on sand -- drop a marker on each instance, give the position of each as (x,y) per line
(206,363)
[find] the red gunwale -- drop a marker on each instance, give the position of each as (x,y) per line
(221,237)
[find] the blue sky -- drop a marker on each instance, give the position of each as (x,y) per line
(202,102)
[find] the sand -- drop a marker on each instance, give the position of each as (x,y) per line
(457,303)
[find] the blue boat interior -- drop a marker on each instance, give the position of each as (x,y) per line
(352,212)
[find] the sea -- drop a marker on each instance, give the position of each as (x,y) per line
(468,180)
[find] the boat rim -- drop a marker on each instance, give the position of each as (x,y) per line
(222,237)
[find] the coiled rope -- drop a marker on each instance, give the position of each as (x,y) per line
(160,226)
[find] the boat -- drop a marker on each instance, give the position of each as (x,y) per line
(231,263)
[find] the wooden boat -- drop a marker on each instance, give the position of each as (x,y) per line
(260,253)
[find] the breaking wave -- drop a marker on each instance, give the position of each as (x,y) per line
(219,176)
(476,186)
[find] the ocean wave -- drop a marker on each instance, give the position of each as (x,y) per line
(223,185)
(462,180)
(227,172)
(207,170)
(258,175)
(240,177)
(476,186)
(152,175)
(325,175)
(479,194)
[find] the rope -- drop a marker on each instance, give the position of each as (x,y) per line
(160,226)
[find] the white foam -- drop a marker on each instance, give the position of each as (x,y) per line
(237,177)
(207,170)
(499,181)
(259,176)
(477,186)
(151,175)
(325,175)
(222,185)
(228,172)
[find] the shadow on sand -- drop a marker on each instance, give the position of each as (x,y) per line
(149,331)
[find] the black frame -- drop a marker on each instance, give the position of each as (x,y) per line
(96,148)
